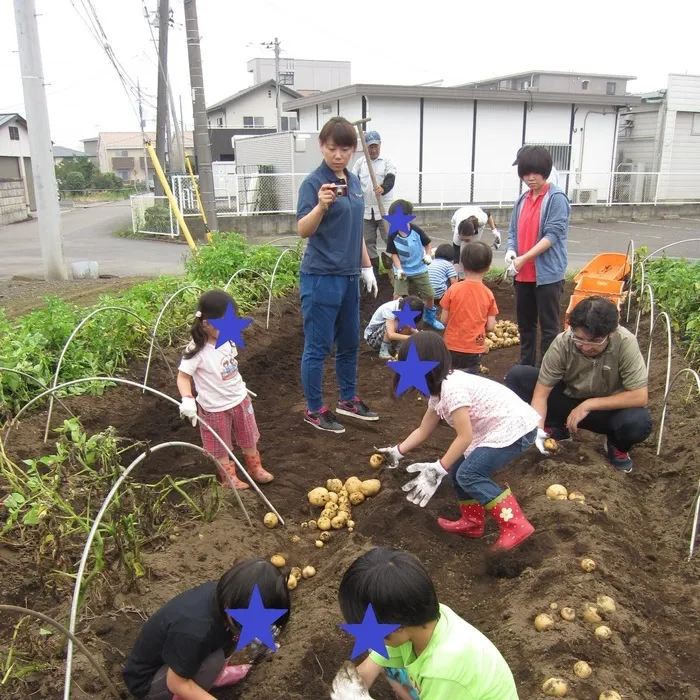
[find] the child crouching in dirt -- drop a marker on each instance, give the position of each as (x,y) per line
(383,332)
(493,425)
(183,649)
(434,655)
(222,398)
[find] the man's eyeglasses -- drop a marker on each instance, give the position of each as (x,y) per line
(582,341)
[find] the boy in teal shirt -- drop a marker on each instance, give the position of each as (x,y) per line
(435,654)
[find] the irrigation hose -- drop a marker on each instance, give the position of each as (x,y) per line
(69,635)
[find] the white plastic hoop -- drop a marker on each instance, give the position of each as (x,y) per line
(669,245)
(93,531)
(245,269)
(40,382)
(669,339)
(155,328)
(272,282)
(685,370)
(651,310)
(630,255)
(694,527)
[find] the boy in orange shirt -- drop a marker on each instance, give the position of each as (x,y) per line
(469,309)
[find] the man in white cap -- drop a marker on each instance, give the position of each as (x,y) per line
(385,172)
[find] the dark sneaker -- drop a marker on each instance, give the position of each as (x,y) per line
(559,434)
(323,420)
(356,409)
(387,262)
(620,460)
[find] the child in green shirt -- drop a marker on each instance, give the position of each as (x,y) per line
(435,654)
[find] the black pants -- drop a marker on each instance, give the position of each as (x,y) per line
(208,672)
(467,361)
(624,427)
(533,303)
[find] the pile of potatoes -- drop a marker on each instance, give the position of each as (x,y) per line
(503,336)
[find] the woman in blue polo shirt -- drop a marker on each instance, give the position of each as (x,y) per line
(330,214)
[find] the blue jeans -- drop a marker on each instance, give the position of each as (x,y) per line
(330,305)
(471,477)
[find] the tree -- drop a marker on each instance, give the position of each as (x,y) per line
(82,165)
(73,182)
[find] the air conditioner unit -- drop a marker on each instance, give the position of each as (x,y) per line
(585,196)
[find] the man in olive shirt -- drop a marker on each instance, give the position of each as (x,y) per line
(593,377)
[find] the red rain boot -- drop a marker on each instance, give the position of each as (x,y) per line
(230,469)
(471,524)
(513,525)
(253,465)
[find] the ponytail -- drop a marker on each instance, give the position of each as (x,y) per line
(199,338)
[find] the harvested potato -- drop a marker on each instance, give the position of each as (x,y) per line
(582,670)
(351,529)
(352,485)
(603,632)
(339,522)
(318,496)
(576,496)
(553,606)
(304,525)
(312,524)
(296,572)
(292,582)
(543,622)
(343,493)
(557,492)
(587,564)
(555,687)
(270,520)
(295,539)
(278,560)
(370,487)
(324,523)
(376,461)
(610,695)
(606,604)
(324,536)
(333,498)
(483,369)
(551,444)
(516,341)
(334,485)
(319,543)
(308,572)
(590,614)
(351,523)
(345,508)
(357,498)
(568,614)
(329,510)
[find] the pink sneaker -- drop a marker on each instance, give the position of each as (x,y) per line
(231,675)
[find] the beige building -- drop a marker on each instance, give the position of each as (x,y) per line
(122,153)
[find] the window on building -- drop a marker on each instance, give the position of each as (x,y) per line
(125,154)
(560,154)
(695,128)
(253,122)
(610,88)
(220,121)
(14,133)
(326,108)
(269,93)
(124,174)
(584,84)
(290,123)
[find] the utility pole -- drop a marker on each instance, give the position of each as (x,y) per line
(276,46)
(40,145)
(162,106)
(143,135)
(202,145)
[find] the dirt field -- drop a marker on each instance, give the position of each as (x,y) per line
(634,526)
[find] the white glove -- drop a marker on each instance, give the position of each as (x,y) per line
(427,259)
(188,409)
(510,270)
(539,441)
(347,684)
(392,455)
(510,256)
(401,275)
(370,281)
(422,488)
(496,239)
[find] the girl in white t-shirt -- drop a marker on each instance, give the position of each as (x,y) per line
(493,426)
(222,398)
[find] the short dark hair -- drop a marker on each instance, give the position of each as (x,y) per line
(415,304)
(395,583)
(534,159)
(445,251)
(340,131)
(406,206)
(466,228)
(429,346)
(476,256)
(235,587)
(597,316)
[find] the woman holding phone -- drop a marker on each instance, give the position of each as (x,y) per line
(330,213)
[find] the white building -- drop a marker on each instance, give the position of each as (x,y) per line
(306,77)
(662,134)
(15,169)
(457,144)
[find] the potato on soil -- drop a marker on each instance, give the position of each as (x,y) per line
(370,487)
(330,508)
(351,524)
(319,496)
(603,632)
(376,461)
(292,582)
(308,572)
(590,614)
(312,524)
(543,622)
(610,695)
(483,369)
(568,614)
(557,492)
(324,523)
(334,485)
(357,498)
(555,687)
(587,564)
(577,496)
(582,670)
(295,539)
(296,572)
(332,498)
(551,444)
(606,604)
(319,543)
(270,520)
(352,485)
(304,526)
(339,522)
(324,536)
(278,560)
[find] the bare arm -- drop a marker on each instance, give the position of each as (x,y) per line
(491,222)
(369,671)
(366,262)
(490,323)
(391,332)
(538,249)
(421,433)
(463,428)
(185,688)
(445,316)
(397,261)
(539,401)
(453,280)
(184,384)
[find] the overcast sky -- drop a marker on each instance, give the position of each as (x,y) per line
(385,41)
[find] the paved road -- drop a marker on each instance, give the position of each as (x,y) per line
(88,235)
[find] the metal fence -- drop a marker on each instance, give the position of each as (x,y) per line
(250,191)
(153,215)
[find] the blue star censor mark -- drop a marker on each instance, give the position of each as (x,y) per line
(230,327)
(406,317)
(398,221)
(256,621)
(369,634)
(412,372)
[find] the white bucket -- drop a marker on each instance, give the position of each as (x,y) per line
(84,270)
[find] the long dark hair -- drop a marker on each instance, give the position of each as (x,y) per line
(431,347)
(211,304)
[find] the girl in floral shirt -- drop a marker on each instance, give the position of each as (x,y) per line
(493,427)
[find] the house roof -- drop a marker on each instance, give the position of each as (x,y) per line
(455,93)
(528,73)
(252,88)
(7,118)
(62,152)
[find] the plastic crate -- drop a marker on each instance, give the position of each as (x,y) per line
(611,266)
